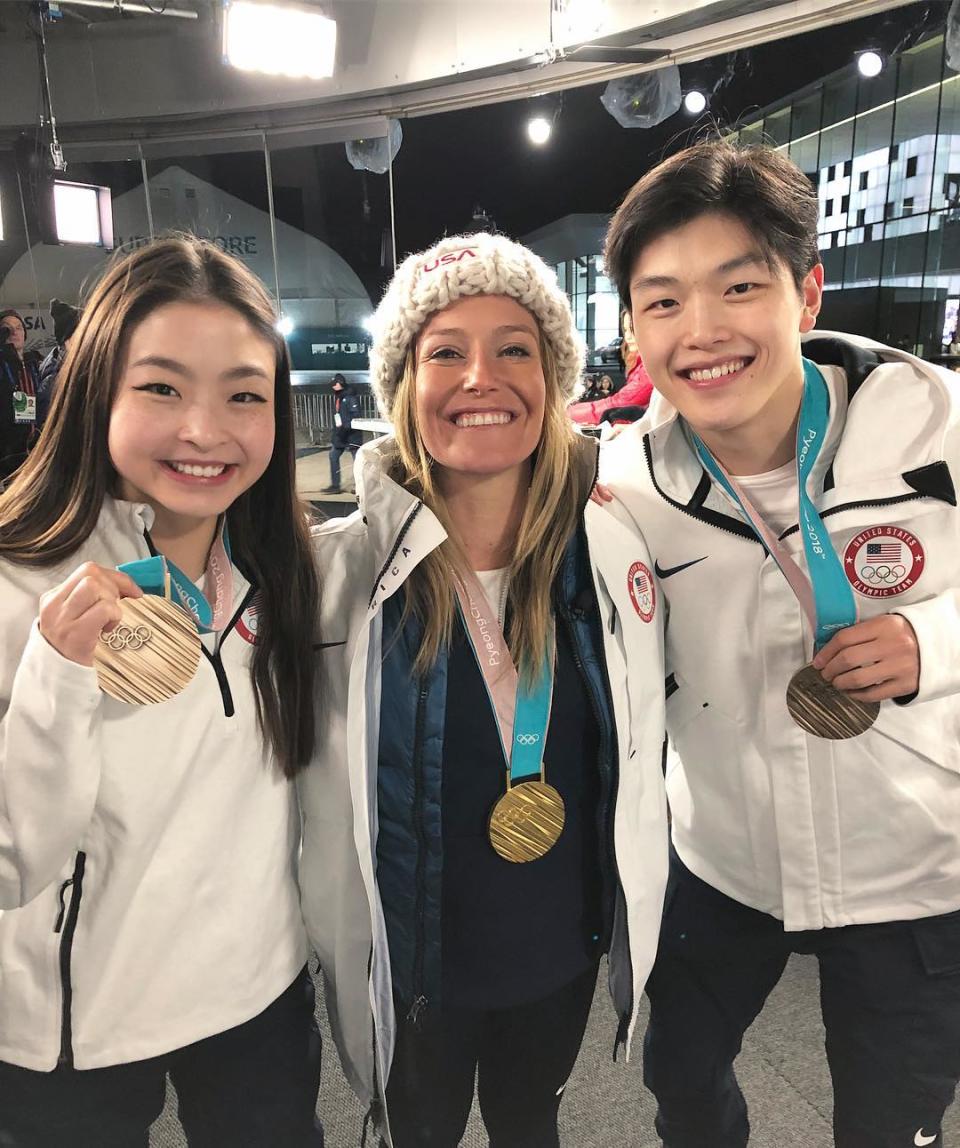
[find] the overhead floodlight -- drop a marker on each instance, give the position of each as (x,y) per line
(573,21)
(870,64)
(539,129)
(694,102)
(280,40)
(286,326)
(82,213)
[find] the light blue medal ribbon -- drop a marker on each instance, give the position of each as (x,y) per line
(825,595)
(528,819)
(158,575)
(531,718)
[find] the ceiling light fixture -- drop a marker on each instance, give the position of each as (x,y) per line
(870,64)
(539,130)
(279,40)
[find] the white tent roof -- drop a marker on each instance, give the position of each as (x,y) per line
(317,286)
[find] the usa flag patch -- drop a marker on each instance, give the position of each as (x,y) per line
(883,561)
(642,591)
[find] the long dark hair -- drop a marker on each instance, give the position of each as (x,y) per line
(53,503)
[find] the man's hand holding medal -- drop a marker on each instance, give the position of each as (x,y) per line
(873,661)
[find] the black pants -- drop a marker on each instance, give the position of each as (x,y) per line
(890,998)
(253,1086)
(338,445)
(521,1058)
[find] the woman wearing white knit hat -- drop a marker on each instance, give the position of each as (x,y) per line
(485,817)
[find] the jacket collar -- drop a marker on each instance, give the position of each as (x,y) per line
(134,518)
(875,448)
(401,530)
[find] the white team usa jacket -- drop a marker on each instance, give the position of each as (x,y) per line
(148,890)
(364,559)
(817,833)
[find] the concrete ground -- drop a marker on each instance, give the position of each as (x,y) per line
(782,1070)
(313,474)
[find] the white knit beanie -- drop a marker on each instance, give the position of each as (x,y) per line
(462,265)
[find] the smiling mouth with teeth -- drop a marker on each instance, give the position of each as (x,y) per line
(197,471)
(483,419)
(718,372)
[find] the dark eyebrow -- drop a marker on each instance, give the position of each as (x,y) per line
(749,259)
(164,364)
(243,371)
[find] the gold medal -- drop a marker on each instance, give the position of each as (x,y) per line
(823,710)
(527,821)
(150,655)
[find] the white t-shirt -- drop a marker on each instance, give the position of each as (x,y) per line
(494,583)
(774,494)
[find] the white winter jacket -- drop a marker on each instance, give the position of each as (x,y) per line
(147,853)
(364,559)
(818,833)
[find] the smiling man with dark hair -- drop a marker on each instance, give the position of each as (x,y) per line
(798,494)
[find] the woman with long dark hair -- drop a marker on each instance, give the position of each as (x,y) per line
(153,543)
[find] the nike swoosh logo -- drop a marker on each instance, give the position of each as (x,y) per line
(920,1140)
(669,571)
(327,645)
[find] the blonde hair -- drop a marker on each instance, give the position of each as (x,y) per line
(556,495)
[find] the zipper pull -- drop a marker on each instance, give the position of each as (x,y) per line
(419,1004)
(63,906)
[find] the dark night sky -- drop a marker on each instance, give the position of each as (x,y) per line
(449,163)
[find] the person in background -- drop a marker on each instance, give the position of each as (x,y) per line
(484,817)
(19,393)
(65,319)
(346,407)
(632,399)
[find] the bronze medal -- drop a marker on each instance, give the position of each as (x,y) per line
(527,821)
(150,655)
(823,710)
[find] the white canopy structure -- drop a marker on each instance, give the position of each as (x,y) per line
(317,287)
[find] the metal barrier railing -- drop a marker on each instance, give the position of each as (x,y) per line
(313,413)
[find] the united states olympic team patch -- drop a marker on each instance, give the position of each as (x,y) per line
(883,561)
(247,623)
(643,593)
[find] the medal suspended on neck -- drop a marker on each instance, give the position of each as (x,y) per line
(527,820)
(825,595)
(154,650)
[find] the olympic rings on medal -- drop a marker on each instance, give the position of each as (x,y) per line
(527,738)
(126,637)
(512,817)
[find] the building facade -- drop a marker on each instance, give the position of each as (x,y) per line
(884,154)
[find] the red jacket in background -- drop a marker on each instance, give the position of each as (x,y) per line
(635,392)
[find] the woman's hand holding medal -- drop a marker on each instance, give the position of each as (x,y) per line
(75,613)
(873,660)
